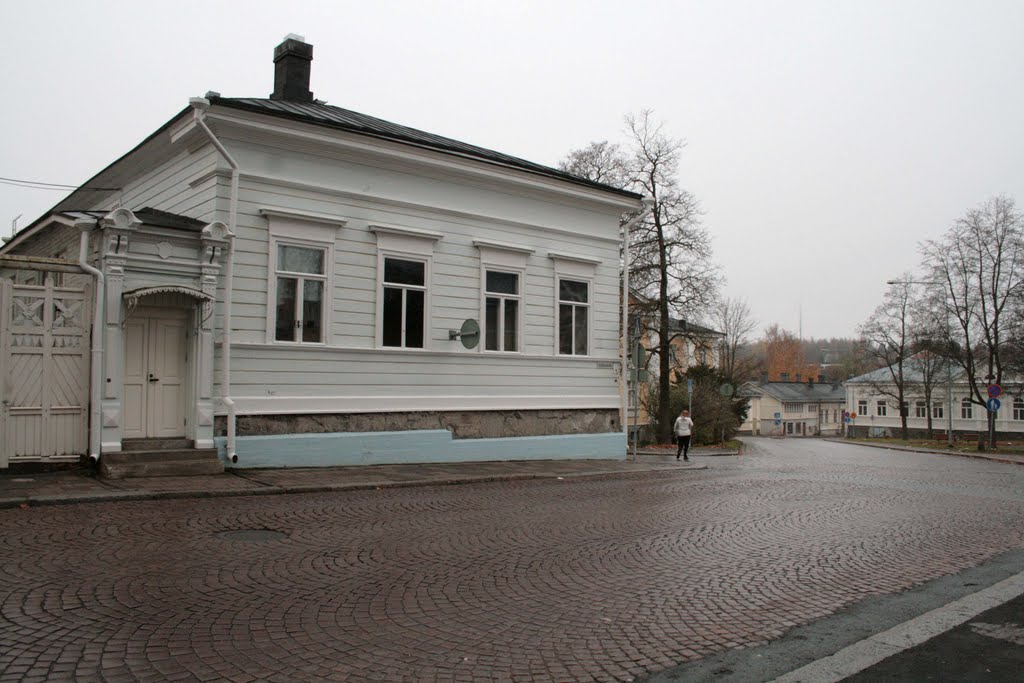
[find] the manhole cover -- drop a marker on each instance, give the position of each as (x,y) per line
(251,535)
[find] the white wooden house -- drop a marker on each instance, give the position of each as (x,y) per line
(283,280)
(793,408)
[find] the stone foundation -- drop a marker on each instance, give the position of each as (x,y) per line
(461,424)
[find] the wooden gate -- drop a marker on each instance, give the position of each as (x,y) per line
(44,372)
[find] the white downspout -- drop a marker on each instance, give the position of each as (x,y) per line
(200,105)
(648,204)
(96,369)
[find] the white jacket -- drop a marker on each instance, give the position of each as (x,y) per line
(683,426)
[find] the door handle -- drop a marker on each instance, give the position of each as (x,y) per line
(152,378)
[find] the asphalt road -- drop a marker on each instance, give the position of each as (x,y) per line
(608,578)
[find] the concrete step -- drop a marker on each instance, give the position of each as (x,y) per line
(156,444)
(161,463)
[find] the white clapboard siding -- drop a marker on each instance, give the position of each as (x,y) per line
(361,195)
(168,187)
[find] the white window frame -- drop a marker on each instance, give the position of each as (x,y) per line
(921,409)
(881,408)
(406,244)
(793,408)
(502,257)
(300,229)
(966,409)
(576,269)
(862,407)
(938,411)
(1018,409)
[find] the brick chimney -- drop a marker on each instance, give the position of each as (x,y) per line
(292,61)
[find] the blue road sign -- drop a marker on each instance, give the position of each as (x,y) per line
(993,405)
(994,391)
(778,422)
(778,416)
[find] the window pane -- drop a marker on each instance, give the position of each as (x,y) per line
(502,283)
(511,313)
(392,322)
(414,318)
(312,311)
(569,290)
(491,324)
(300,259)
(285,324)
(399,272)
(565,329)
(581,330)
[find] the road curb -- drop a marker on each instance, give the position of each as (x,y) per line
(270,489)
(932,451)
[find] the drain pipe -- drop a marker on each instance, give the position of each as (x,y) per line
(96,369)
(648,204)
(199,106)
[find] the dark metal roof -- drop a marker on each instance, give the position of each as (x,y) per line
(154,217)
(344,119)
(796,392)
(686,327)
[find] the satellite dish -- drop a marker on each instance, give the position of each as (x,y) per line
(469,334)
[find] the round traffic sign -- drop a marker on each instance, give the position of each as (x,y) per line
(853,416)
(995,391)
(993,405)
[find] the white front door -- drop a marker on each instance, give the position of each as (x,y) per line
(154,375)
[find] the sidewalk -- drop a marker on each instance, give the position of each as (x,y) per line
(1011,458)
(82,486)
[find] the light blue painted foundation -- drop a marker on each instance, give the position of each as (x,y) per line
(435,445)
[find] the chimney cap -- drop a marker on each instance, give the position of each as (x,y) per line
(295,36)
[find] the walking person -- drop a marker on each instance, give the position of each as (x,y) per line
(683,429)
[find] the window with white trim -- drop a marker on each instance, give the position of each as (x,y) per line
(501,311)
(862,408)
(793,408)
(881,408)
(403,303)
(966,409)
(300,282)
(920,409)
(573,296)
(300,262)
(937,410)
(404,266)
(573,317)
(1018,409)
(502,284)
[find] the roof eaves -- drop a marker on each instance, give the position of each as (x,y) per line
(480,154)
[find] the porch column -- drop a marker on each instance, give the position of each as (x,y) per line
(117,228)
(215,244)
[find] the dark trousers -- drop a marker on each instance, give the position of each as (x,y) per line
(683,445)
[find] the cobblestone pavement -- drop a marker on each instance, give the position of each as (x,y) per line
(578,579)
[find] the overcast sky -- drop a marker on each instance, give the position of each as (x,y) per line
(825,140)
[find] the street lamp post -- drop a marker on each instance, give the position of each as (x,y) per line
(950,440)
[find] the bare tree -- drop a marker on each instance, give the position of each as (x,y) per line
(887,339)
(980,261)
(670,251)
(735,321)
(602,162)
